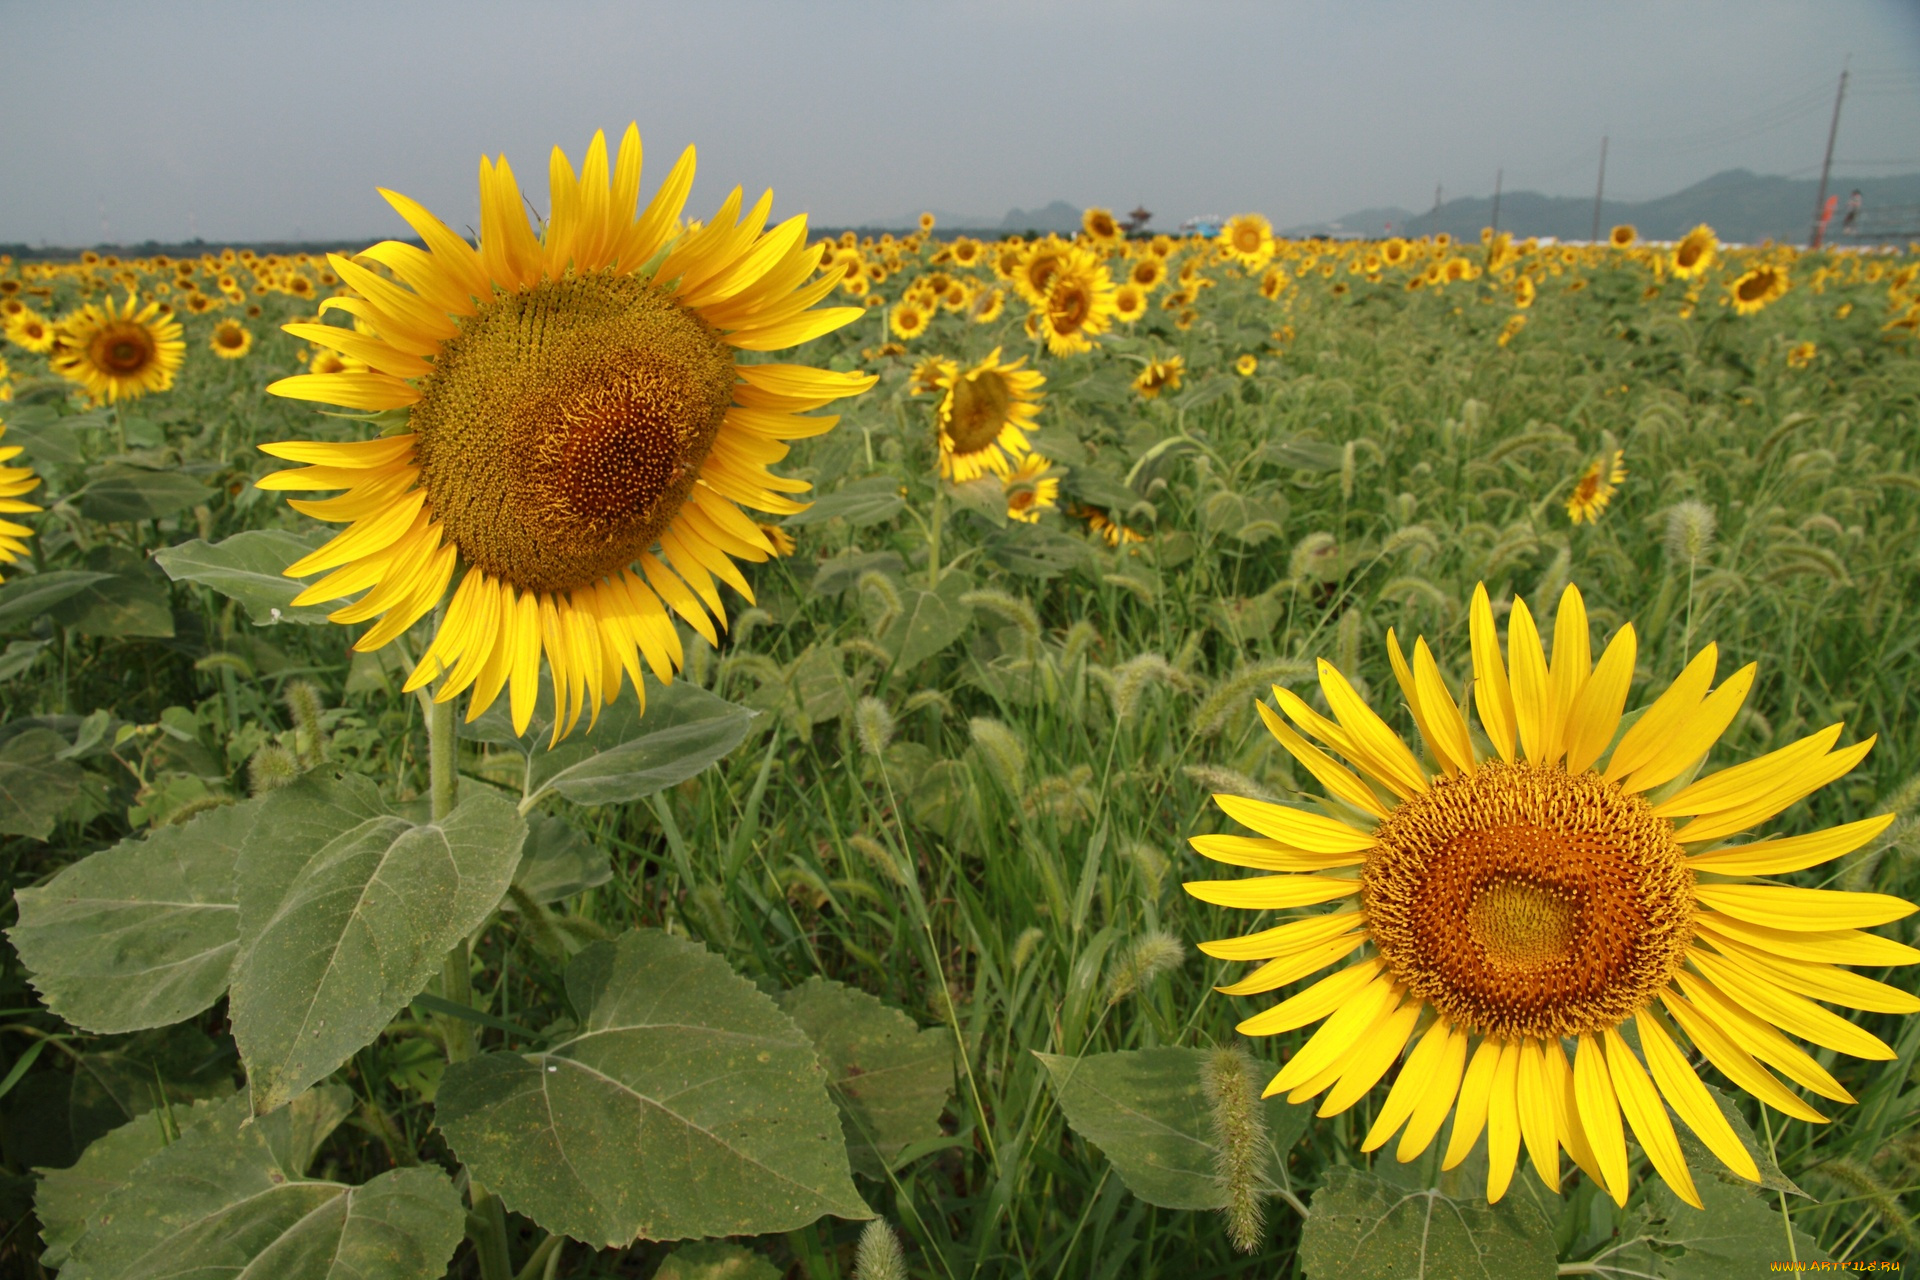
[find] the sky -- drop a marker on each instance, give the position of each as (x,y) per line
(266,120)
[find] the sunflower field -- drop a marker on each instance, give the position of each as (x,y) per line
(639,744)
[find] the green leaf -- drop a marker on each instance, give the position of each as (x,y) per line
(26,598)
(19,656)
(227,1198)
(334,943)
(686,1105)
(248,567)
(1101,488)
(34,785)
(716,1261)
(1147,1110)
(985,496)
(67,1198)
(929,621)
(1739,1232)
(49,439)
(840,573)
(627,755)
(119,491)
(889,1076)
(1038,553)
(559,862)
(1303,454)
(142,934)
(862,502)
(1361,1227)
(133,601)
(155,1069)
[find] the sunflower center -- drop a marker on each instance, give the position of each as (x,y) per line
(980,407)
(563,428)
(122,349)
(1069,307)
(1523,901)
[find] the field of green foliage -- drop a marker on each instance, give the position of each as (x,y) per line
(977,749)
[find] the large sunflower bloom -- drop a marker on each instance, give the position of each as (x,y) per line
(1503,906)
(1078,303)
(985,416)
(119,352)
(573,409)
(1756,288)
(1248,238)
(1695,252)
(14,481)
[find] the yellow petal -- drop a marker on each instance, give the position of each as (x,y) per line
(1533,710)
(1744,783)
(1783,1009)
(1492,696)
(1348,1025)
(1503,1123)
(1689,1098)
(1796,853)
(1410,691)
(1784,907)
(1566,1111)
(1534,1102)
(1760,1038)
(1572,662)
(1435,1099)
(1595,717)
(1600,1116)
(1658,723)
(1826,946)
(1718,826)
(1313,1004)
(380,452)
(1285,939)
(1412,1082)
(1338,780)
(1383,753)
(1372,1056)
(1281,970)
(1648,1116)
(1735,1063)
(1450,736)
(348,390)
(1295,828)
(1269,892)
(1695,736)
(1470,1109)
(1268,855)
(1821,981)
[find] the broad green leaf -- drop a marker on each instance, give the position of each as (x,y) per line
(558,862)
(334,943)
(985,496)
(929,621)
(1038,553)
(686,1105)
(25,598)
(1101,488)
(840,573)
(247,567)
(862,502)
(226,1198)
(818,680)
(19,656)
(627,755)
(142,934)
(1302,454)
(34,784)
(133,601)
(165,1067)
(889,1076)
(1361,1227)
(67,1198)
(1147,1110)
(49,439)
(1739,1232)
(119,492)
(716,1261)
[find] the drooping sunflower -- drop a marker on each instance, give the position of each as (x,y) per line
(231,340)
(985,415)
(1524,292)
(569,406)
(1596,486)
(118,352)
(1030,490)
(1078,304)
(1506,904)
(1695,252)
(1623,236)
(1248,238)
(14,481)
(29,330)
(1273,283)
(1757,288)
(1160,375)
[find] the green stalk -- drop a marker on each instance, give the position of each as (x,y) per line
(933,539)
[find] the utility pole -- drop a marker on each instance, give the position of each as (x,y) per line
(1497,175)
(1600,191)
(1826,165)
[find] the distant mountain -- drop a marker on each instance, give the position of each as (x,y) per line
(1738,204)
(1058,216)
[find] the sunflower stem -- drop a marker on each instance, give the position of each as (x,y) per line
(933,538)
(456,982)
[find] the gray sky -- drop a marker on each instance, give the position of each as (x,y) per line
(257,121)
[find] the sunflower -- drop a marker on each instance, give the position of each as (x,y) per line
(1246,365)
(1078,304)
(1523,292)
(1160,375)
(118,352)
(984,416)
(1511,329)
(1507,902)
(1273,283)
(1623,236)
(965,252)
(987,306)
(1756,288)
(573,407)
(909,319)
(1030,490)
(14,481)
(1039,263)
(1695,252)
(231,340)
(1147,273)
(926,224)
(1101,225)
(931,374)
(1129,303)
(1248,239)
(1394,251)
(1103,525)
(1801,354)
(1596,486)
(29,329)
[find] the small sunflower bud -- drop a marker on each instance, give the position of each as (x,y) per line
(873,724)
(1690,528)
(878,1255)
(272,767)
(1241,1143)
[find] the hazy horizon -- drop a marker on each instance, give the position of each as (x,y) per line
(237,123)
